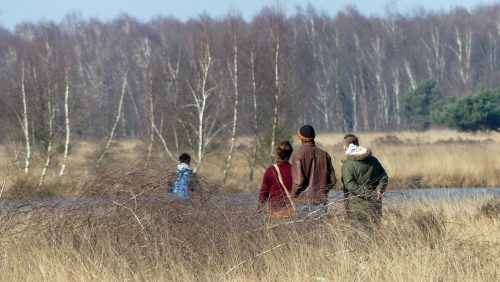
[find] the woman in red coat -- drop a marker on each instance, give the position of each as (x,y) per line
(273,190)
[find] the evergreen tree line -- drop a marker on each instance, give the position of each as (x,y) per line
(205,79)
(478,111)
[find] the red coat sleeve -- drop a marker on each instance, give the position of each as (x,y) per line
(265,187)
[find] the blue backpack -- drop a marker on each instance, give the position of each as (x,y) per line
(181,187)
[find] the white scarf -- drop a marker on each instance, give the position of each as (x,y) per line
(351,149)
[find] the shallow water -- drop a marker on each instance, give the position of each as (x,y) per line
(442,193)
(393,196)
(408,194)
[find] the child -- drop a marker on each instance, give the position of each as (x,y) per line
(182,177)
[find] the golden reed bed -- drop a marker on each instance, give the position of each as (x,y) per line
(414,160)
(143,235)
(434,158)
(128,240)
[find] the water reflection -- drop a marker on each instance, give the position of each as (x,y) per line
(393,196)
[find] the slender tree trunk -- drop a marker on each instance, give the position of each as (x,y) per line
(361,97)
(163,142)
(201,125)
(139,123)
(253,160)
(152,125)
(15,160)
(354,106)
(117,119)
(277,90)
(151,143)
(201,95)
(25,125)
(176,138)
(463,53)
(49,144)
(410,75)
(234,78)
(397,89)
(66,123)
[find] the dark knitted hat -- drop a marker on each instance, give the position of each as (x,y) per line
(306,133)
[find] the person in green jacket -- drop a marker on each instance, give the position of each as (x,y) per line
(365,181)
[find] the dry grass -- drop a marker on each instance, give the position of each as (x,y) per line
(442,158)
(147,236)
(117,223)
(412,159)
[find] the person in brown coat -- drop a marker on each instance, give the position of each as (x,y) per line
(312,173)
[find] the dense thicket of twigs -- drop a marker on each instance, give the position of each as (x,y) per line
(338,72)
(144,234)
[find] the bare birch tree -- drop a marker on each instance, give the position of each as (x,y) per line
(204,125)
(67,132)
(376,54)
(396,88)
(50,137)
(24,122)
(354,100)
(276,29)
(255,124)
(463,52)
(326,74)
(117,117)
(361,97)
(233,72)
(435,59)
(172,70)
(409,73)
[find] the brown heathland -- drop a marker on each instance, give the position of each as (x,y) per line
(141,239)
(412,160)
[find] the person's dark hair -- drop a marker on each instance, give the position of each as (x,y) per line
(185,158)
(284,150)
(351,139)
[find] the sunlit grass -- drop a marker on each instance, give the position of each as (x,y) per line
(120,224)
(445,240)
(412,159)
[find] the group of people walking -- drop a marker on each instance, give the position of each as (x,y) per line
(300,186)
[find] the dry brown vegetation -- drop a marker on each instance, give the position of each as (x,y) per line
(443,158)
(147,236)
(118,223)
(412,160)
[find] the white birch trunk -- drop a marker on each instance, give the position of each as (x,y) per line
(151,142)
(276,96)
(163,142)
(413,83)
(200,96)
(463,52)
(234,77)
(152,125)
(354,106)
(66,123)
(117,120)
(201,120)
(25,126)
(49,145)
(397,89)
(253,161)
(364,106)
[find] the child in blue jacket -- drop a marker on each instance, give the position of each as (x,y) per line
(183,177)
